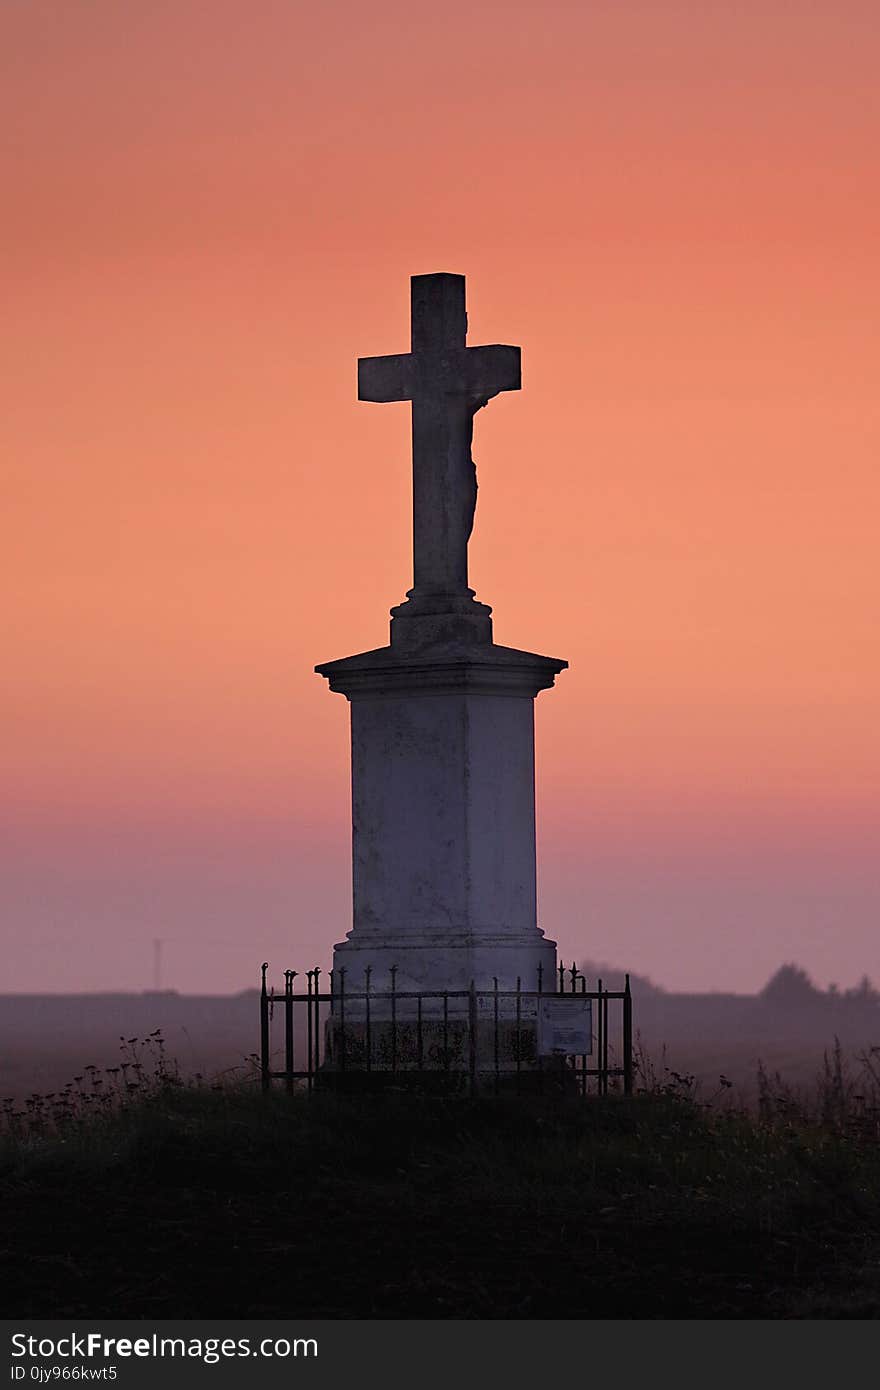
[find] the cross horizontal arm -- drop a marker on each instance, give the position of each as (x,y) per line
(385,378)
(476,373)
(488,370)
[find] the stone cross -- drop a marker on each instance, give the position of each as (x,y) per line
(447,383)
(442,725)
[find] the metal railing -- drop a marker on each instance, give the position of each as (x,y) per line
(486,1040)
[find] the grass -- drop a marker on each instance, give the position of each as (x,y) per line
(194,1200)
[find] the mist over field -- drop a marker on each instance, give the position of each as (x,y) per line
(47,1040)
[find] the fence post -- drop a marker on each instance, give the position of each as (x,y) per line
(264,1031)
(446,1030)
(316,1036)
(627,1040)
(341,973)
(519,1032)
(472,1036)
(584,1061)
(393,973)
(496,1057)
(600,1078)
(288,1030)
(310,975)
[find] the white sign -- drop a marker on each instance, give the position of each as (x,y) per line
(565,1025)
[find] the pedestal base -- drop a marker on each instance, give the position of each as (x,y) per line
(432,1045)
(462,1008)
(449,964)
(424,622)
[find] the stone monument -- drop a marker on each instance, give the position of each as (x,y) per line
(442,719)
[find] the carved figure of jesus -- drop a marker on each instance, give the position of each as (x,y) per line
(447,383)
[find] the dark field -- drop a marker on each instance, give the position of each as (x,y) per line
(196,1202)
(755,1196)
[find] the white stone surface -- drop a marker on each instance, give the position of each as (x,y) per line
(443,814)
(443,819)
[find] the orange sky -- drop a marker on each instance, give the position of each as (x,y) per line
(210,210)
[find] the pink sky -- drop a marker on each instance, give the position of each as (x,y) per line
(211,210)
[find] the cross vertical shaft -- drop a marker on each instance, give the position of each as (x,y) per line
(444,478)
(447,382)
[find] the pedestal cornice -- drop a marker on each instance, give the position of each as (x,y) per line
(462,668)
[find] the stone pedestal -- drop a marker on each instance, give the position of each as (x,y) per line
(443,807)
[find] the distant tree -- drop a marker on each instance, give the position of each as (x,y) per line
(612,978)
(790,985)
(864,992)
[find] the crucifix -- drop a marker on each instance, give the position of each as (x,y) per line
(447,384)
(442,731)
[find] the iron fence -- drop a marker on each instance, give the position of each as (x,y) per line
(476,1039)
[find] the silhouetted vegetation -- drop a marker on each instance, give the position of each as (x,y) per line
(149,1197)
(613,977)
(791,986)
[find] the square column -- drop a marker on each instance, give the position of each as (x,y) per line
(443,817)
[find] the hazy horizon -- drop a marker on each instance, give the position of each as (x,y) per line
(607,972)
(210,214)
